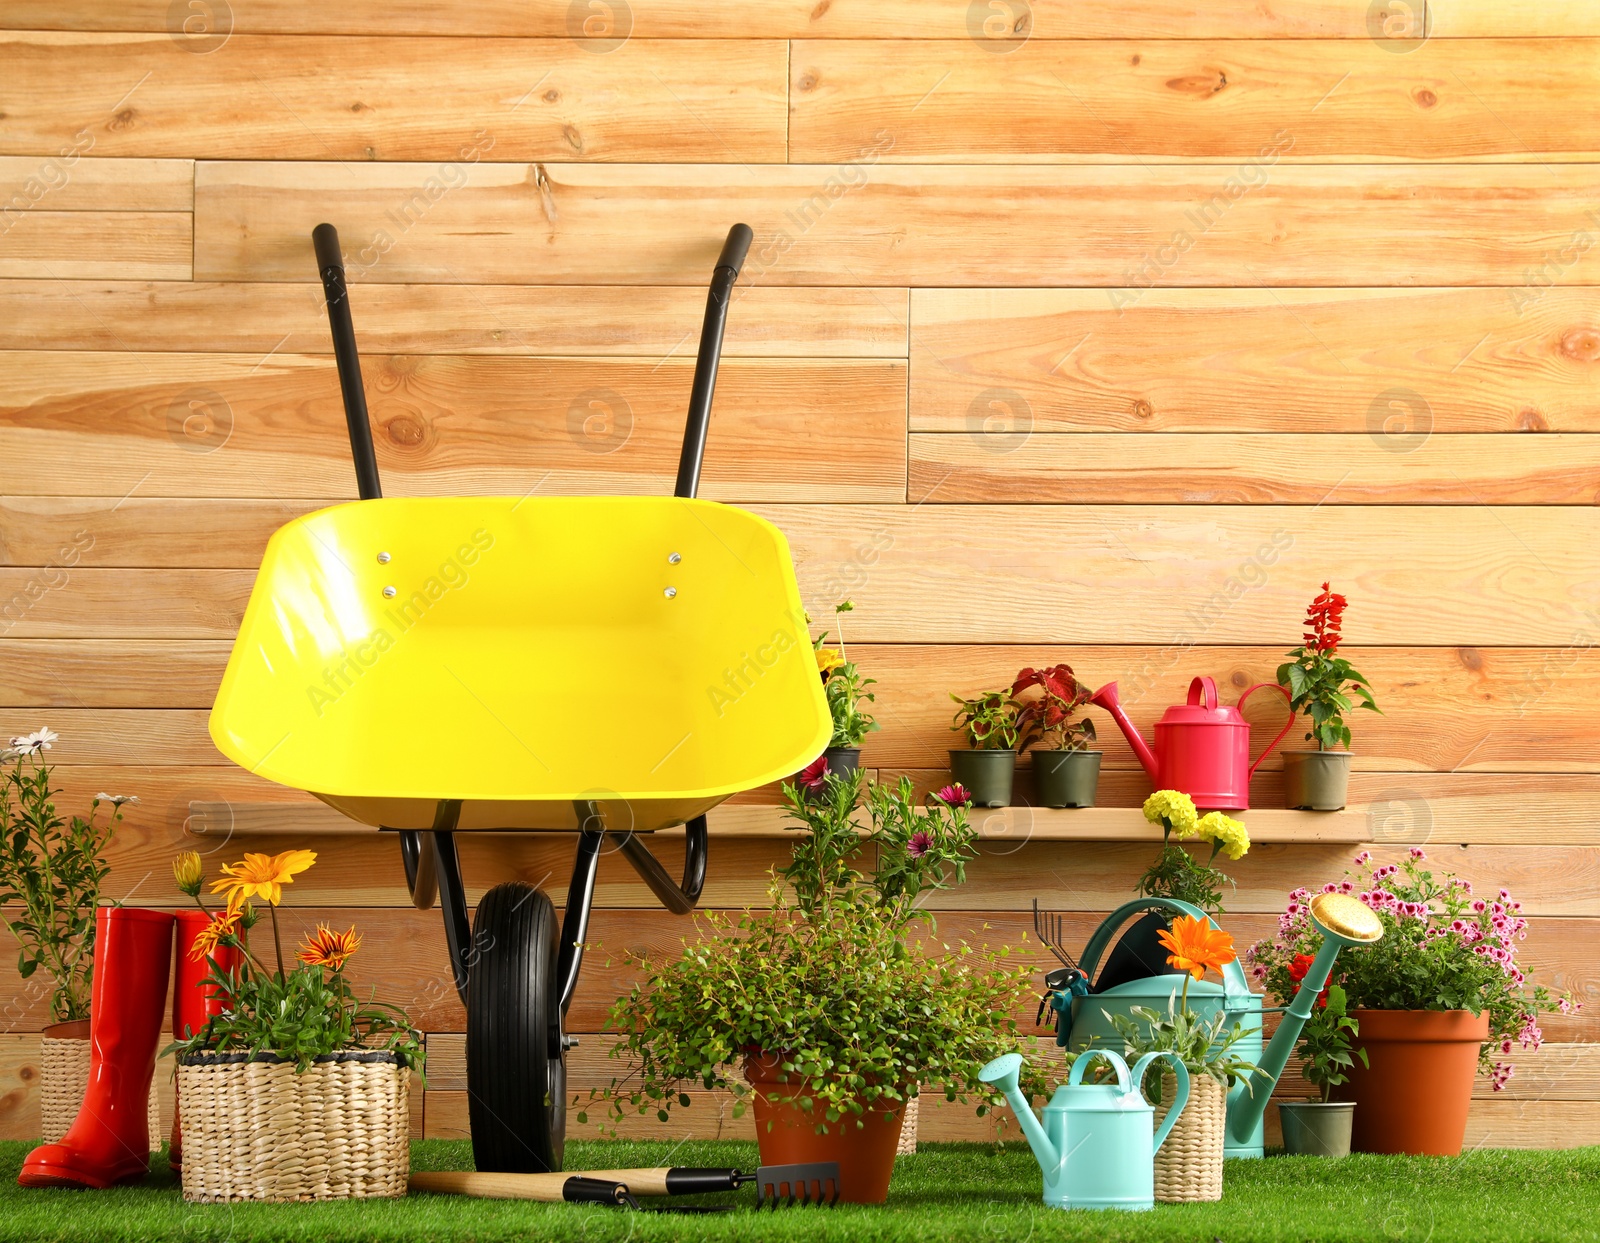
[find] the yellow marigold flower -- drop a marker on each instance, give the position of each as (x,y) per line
(1174,809)
(261,876)
(828,659)
(1195,946)
(1231,835)
(188,872)
(223,924)
(327,948)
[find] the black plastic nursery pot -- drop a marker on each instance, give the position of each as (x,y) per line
(986,775)
(1066,778)
(1316,780)
(842,761)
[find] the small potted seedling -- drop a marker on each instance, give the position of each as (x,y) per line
(1065,770)
(1320,1127)
(1320,683)
(992,723)
(846,691)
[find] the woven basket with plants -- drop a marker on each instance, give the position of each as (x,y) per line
(51,869)
(298,1089)
(1188,1167)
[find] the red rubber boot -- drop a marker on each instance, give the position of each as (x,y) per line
(193,1000)
(109,1142)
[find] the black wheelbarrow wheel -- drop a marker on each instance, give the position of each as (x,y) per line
(516,1063)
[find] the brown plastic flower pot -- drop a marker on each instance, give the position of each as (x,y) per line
(786,1133)
(1316,780)
(1066,778)
(986,775)
(1413,1095)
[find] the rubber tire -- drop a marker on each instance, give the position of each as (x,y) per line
(516,1065)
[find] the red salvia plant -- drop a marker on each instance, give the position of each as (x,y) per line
(1320,682)
(1049,719)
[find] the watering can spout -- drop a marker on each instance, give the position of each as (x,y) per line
(1004,1073)
(1106,697)
(1343,921)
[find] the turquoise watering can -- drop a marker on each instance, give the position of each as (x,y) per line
(1084,1023)
(1098,1141)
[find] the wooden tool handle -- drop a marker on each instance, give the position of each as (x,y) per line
(546,1187)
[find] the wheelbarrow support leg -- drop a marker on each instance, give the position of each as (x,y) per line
(580,897)
(452,892)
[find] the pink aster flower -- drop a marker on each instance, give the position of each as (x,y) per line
(955,795)
(919,844)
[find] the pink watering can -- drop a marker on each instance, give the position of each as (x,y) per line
(1202,747)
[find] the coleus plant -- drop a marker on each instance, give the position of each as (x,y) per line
(1047,719)
(1319,680)
(991,721)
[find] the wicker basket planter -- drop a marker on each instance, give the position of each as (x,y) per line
(64,1078)
(257,1130)
(908,1129)
(1189,1164)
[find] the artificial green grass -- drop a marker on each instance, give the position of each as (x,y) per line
(974,1193)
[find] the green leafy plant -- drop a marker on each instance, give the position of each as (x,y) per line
(51,870)
(1178,874)
(1325,1042)
(1317,677)
(991,721)
(1051,700)
(1443,948)
(299,1013)
(844,687)
(828,981)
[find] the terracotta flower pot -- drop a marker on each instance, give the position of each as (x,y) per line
(787,1133)
(1413,1095)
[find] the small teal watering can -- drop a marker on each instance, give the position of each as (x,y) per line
(1098,1141)
(1083,1020)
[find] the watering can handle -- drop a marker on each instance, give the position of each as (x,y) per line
(1209,686)
(1286,699)
(1234,986)
(1081,1062)
(1182,1073)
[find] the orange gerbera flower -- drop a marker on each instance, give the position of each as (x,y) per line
(223,924)
(327,948)
(261,876)
(1196,947)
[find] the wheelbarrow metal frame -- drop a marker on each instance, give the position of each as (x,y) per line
(432,865)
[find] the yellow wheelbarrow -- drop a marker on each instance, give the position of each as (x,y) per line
(443,665)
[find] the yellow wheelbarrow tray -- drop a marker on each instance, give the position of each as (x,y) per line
(605,665)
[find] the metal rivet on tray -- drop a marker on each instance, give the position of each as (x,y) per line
(388,593)
(671,592)
(674,559)
(383,558)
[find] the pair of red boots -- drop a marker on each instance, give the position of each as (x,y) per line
(109,1142)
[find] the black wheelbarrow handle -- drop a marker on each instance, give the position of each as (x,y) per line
(330,264)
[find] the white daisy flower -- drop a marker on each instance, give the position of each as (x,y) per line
(116,800)
(32,744)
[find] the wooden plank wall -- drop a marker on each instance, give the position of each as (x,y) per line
(1072,330)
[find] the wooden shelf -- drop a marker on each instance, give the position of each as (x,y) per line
(1015,824)
(1090,824)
